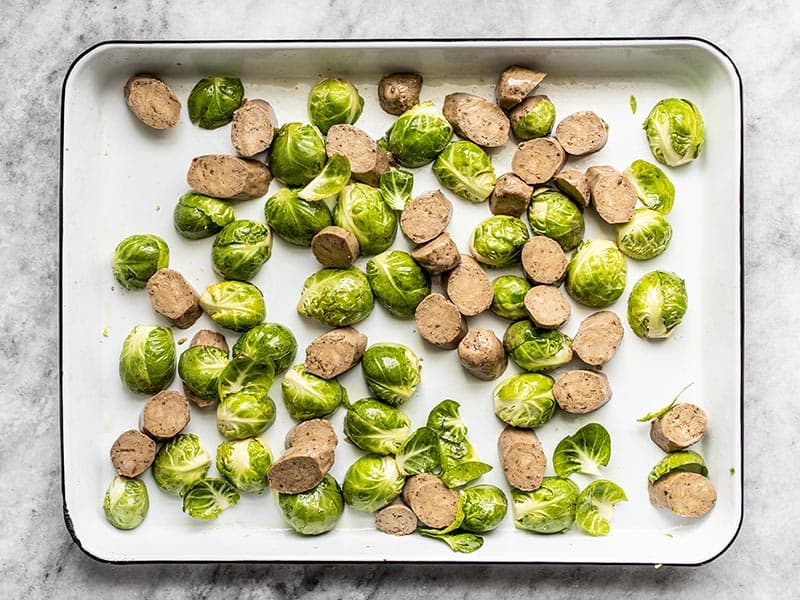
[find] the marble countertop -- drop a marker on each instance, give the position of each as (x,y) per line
(41,39)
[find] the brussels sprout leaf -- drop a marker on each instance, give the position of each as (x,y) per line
(330,181)
(584,452)
(595,506)
(419,453)
(459,542)
(396,188)
(651,416)
(465,472)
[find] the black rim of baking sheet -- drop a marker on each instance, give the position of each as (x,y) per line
(400,42)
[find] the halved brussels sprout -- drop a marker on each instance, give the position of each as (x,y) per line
(397,187)
(268,342)
(645,236)
(126,502)
(360,209)
(245,464)
(295,220)
(297,154)
(498,240)
(315,511)
(236,305)
(457,475)
(595,506)
(147,359)
(307,396)
(334,102)
(419,135)
(458,542)
(372,482)
(675,131)
(180,463)
(465,169)
(419,453)
(585,451)
(213,101)
(534,349)
(243,415)
(683,460)
(398,282)
(199,368)
(197,216)
(376,427)
(336,297)
(548,509)
(207,498)
(241,249)
(137,257)
(330,181)
(657,304)
(525,400)
(509,297)
(484,508)
(652,185)
(537,120)
(552,214)
(596,273)
(392,372)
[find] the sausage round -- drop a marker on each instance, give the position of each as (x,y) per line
(426,216)
(522,458)
(207,337)
(482,354)
(300,469)
(399,91)
(335,247)
(174,298)
(538,160)
(598,338)
(335,352)
(439,322)
(229,177)
(579,391)
(543,261)
(685,494)
(476,119)
(132,453)
(152,101)
(468,287)
(515,83)
(547,307)
(582,133)
(164,415)
(439,255)
(680,427)
(318,433)
(396,519)
(435,504)
(613,196)
(368,161)
(510,196)
(574,185)
(253,127)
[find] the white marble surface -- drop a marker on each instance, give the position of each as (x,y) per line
(39,40)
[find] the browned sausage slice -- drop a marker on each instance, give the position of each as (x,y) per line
(230,177)
(335,247)
(318,433)
(547,307)
(396,519)
(368,161)
(435,504)
(680,427)
(335,352)
(253,127)
(582,133)
(174,298)
(476,119)
(613,196)
(598,338)
(543,260)
(684,493)
(426,216)
(132,453)
(510,196)
(538,160)
(522,458)
(515,83)
(574,185)
(439,255)
(399,91)
(152,101)
(207,337)
(439,322)
(482,354)
(468,287)
(164,415)
(579,391)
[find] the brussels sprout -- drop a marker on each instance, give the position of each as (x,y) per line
(330,181)
(207,498)
(525,400)
(458,542)
(180,463)
(484,508)
(645,236)
(137,257)
(213,101)
(361,210)
(372,482)
(307,396)
(398,282)
(315,511)
(445,420)
(595,506)
(419,453)
(147,359)
(237,305)
(245,374)
(245,464)
(537,119)
(509,297)
(585,451)
(464,472)
(498,241)
(268,342)
(534,349)
(466,170)
(397,187)
(675,131)
(652,186)
(297,154)
(336,297)
(548,509)
(662,411)
(241,249)
(199,368)
(295,220)
(657,304)
(376,427)
(245,409)
(552,214)
(126,502)
(683,460)
(392,372)
(197,216)
(596,273)
(334,102)
(418,135)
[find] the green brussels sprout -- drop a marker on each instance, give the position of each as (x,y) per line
(336,297)
(458,542)
(147,359)
(498,240)
(376,427)
(657,304)
(307,396)
(397,187)
(245,409)
(552,214)
(595,506)
(241,249)
(372,482)
(645,236)
(315,511)
(199,368)
(392,372)
(525,400)
(334,102)
(683,460)
(244,374)
(456,475)
(137,257)
(295,220)
(330,181)
(213,101)
(180,463)
(297,154)
(445,420)
(484,508)
(245,464)
(126,502)
(585,451)
(398,282)
(675,131)
(418,135)
(207,498)
(548,509)
(466,170)
(419,453)
(534,349)
(596,273)
(509,297)
(197,216)
(236,305)
(360,209)
(268,342)
(536,119)
(652,185)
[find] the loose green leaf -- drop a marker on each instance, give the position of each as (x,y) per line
(459,542)
(396,187)
(584,452)
(419,453)
(330,181)
(445,420)
(653,187)
(651,416)
(595,506)
(465,472)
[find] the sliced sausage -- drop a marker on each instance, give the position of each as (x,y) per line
(482,354)
(314,432)
(547,307)
(164,415)
(598,338)
(426,216)
(613,196)
(335,352)
(132,453)
(439,255)
(152,101)
(510,196)
(582,133)
(300,469)
(579,391)
(207,337)
(174,298)
(592,173)
(435,504)
(476,119)
(522,458)
(468,287)
(439,322)
(538,160)
(515,83)
(543,260)
(368,161)
(399,91)
(230,177)
(574,185)
(335,247)
(396,519)
(253,127)
(680,427)
(684,493)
